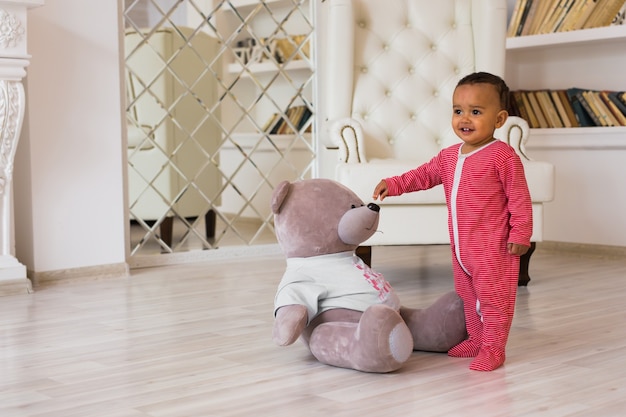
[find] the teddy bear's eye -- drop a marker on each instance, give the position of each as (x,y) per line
(354,206)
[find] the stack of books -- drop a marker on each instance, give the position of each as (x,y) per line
(296,117)
(572,107)
(532,17)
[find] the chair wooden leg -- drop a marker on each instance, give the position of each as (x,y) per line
(365,253)
(209,223)
(166,229)
(524,261)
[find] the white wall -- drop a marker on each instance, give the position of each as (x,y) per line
(69,188)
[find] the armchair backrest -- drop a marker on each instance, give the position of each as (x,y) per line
(394,65)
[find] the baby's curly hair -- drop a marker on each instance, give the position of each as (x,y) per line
(488,78)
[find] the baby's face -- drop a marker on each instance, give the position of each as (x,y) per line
(476,113)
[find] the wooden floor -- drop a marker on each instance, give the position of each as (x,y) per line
(194,340)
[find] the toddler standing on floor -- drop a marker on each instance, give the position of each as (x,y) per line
(489,214)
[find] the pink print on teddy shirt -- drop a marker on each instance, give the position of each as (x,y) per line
(375,279)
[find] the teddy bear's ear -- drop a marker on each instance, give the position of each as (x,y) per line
(279,195)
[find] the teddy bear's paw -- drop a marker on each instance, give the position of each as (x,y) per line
(289,323)
(385,339)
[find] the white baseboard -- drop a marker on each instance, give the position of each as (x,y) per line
(583,249)
(88,273)
(15,286)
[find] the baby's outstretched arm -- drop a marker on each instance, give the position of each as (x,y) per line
(380,191)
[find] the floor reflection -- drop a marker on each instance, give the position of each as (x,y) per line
(230,231)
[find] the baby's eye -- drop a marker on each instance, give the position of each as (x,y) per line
(456,111)
(475,112)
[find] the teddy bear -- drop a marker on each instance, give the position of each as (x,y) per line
(346,313)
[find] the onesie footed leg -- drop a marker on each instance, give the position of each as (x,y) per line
(289,323)
(379,342)
(497,323)
(470,347)
(438,327)
(488,359)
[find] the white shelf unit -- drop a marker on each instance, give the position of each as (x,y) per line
(279,81)
(590,58)
(266,67)
(589,189)
(604,35)
(277,157)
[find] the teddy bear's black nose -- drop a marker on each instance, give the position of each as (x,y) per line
(373,207)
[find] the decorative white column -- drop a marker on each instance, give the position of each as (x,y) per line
(13,63)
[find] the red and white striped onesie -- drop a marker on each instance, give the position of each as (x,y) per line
(489,206)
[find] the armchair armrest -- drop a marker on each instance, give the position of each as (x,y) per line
(515,132)
(347,135)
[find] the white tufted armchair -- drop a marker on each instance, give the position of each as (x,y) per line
(393,68)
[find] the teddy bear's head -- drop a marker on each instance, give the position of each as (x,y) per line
(319,217)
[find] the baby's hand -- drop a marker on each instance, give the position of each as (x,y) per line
(380,191)
(516,249)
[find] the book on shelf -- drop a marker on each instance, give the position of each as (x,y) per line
(516,18)
(565,10)
(549,109)
(532,98)
(619,115)
(294,117)
(271,122)
(531,17)
(584,118)
(591,105)
(558,14)
(538,16)
(547,17)
(532,120)
(614,96)
(572,107)
(560,108)
(567,106)
(577,16)
(603,110)
(604,13)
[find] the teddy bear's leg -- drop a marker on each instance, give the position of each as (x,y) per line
(289,323)
(379,342)
(438,327)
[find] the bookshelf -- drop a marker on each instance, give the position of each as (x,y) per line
(261,68)
(601,36)
(261,84)
(588,161)
(264,76)
(589,58)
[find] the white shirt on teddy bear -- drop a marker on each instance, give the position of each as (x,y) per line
(338,280)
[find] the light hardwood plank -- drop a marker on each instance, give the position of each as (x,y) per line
(195,340)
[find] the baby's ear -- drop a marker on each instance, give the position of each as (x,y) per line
(501,118)
(279,195)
